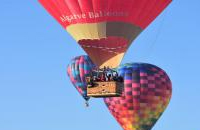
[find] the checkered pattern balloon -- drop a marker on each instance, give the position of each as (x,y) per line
(78,68)
(147,92)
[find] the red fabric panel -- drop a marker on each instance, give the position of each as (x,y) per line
(137,12)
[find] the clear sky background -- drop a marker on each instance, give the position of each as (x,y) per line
(36,94)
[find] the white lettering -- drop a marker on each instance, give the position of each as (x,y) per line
(92,15)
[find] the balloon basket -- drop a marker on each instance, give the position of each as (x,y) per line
(105,89)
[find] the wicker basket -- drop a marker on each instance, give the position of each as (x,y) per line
(105,89)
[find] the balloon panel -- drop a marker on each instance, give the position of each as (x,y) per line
(147,92)
(78,68)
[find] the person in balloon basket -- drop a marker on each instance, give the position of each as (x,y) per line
(90,81)
(103,77)
(115,76)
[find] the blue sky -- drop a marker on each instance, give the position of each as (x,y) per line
(36,94)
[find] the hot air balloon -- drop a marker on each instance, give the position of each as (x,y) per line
(78,69)
(147,92)
(105,28)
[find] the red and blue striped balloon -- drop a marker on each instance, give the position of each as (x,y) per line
(77,70)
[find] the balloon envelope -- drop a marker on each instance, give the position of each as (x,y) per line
(147,92)
(105,28)
(78,68)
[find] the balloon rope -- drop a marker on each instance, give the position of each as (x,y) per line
(158,32)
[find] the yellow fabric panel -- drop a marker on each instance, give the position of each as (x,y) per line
(87,31)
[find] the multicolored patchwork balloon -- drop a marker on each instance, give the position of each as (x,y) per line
(147,92)
(78,68)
